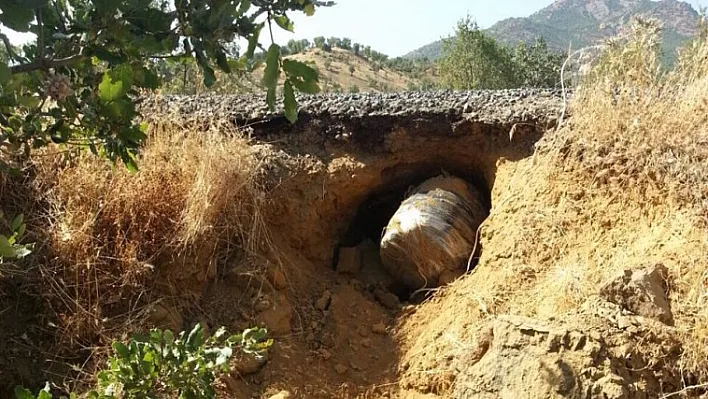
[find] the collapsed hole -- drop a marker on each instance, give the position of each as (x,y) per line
(374,214)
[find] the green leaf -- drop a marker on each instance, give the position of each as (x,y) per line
(129,160)
(300,69)
(31,4)
(209,76)
(17,222)
(245,6)
(115,84)
(16,17)
(222,61)
(284,22)
(271,73)
(5,73)
(309,87)
(289,102)
(23,393)
(121,350)
(196,337)
(253,40)
(310,10)
(23,251)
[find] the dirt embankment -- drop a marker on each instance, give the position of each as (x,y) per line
(566,299)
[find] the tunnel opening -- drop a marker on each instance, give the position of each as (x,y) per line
(373,215)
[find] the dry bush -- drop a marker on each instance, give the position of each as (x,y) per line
(634,181)
(122,242)
(623,184)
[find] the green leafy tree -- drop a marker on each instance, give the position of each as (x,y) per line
(536,65)
(334,42)
(320,42)
(76,83)
(473,60)
(357,48)
(346,43)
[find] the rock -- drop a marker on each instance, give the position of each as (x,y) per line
(277,319)
(340,368)
(525,358)
(324,301)
(349,260)
(248,364)
(262,305)
(166,317)
(379,328)
(281,395)
(278,280)
(387,299)
(641,291)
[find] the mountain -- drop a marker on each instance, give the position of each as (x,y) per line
(582,23)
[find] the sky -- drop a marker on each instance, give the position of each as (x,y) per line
(396,27)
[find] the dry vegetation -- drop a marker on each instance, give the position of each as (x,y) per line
(624,183)
(121,250)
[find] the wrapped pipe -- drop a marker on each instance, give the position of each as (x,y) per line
(433,231)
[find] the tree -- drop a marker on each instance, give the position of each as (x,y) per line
(320,42)
(346,43)
(473,60)
(352,69)
(367,52)
(334,42)
(537,65)
(76,83)
(357,48)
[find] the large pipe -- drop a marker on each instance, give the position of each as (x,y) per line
(433,231)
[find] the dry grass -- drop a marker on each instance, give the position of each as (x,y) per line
(628,185)
(637,146)
(624,184)
(119,242)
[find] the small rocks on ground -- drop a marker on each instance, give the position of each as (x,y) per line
(379,328)
(340,368)
(281,395)
(324,301)
(641,291)
(387,299)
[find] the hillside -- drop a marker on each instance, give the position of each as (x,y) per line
(581,23)
(336,75)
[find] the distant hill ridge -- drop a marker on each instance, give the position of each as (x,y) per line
(582,23)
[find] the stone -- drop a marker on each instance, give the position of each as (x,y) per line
(379,328)
(324,301)
(248,364)
(277,319)
(278,280)
(340,368)
(641,291)
(166,317)
(349,260)
(387,299)
(281,395)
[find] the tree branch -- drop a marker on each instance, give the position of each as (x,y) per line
(8,46)
(46,64)
(40,35)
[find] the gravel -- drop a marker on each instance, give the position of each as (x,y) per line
(486,105)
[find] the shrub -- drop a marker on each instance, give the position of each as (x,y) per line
(162,365)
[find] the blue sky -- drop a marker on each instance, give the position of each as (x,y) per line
(395,27)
